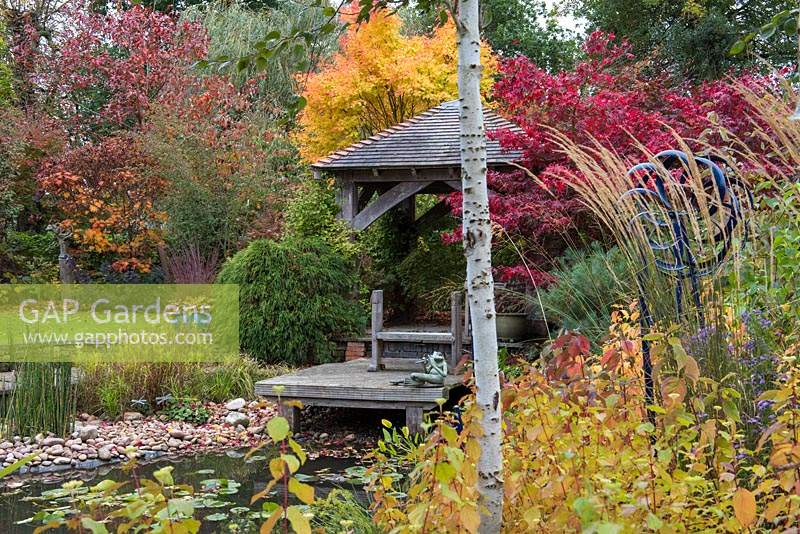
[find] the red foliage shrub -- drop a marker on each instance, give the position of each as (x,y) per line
(610,98)
(106,69)
(136,116)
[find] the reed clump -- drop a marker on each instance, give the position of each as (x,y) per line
(43,400)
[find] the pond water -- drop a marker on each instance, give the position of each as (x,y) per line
(324,472)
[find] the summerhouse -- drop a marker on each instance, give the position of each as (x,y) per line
(384,172)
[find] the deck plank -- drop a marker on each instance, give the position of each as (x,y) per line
(350,381)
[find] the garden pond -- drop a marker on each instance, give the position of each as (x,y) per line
(223,485)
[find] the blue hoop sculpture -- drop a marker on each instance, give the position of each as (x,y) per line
(663,184)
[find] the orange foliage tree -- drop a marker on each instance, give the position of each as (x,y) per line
(378,79)
(106,196)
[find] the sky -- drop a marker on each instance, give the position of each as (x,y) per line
(567,21)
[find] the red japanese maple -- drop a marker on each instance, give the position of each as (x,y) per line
(610,98)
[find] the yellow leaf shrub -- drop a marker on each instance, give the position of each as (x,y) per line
(378,79)
(583,453)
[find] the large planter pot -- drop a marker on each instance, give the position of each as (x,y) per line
(513,326)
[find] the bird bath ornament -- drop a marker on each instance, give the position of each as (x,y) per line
(66,265)
(435,366)
(686,211)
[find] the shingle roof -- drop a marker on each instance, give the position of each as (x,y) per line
(430,139)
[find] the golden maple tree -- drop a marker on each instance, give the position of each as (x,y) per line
(379,78)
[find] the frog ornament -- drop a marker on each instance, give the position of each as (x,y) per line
(435,367)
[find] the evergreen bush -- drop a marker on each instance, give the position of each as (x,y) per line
(293,299)
(589,282)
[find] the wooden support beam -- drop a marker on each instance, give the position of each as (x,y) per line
(404,174)
(377,326)
(387,201)
(456,328)
(409,209)
(292,415)
(467,325)
(347,199)
(414,418)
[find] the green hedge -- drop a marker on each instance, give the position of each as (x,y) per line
(294,297)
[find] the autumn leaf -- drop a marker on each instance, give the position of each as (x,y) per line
(470,519)
(691,370)
(299,522)
(744,506)
(304,492)
(269,524)
(278,428)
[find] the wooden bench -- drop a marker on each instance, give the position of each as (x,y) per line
(454,338)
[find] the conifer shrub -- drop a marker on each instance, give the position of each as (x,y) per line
(589,282)
(294,298)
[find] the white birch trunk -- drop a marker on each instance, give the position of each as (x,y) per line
(478,251)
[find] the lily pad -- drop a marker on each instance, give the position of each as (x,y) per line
(217,517)
(213,503)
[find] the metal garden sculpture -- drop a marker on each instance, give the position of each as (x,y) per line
(688,210)
(435,372)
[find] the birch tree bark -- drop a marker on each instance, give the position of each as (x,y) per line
(477,233)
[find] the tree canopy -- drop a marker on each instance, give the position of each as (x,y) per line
(378,78)
(691,38)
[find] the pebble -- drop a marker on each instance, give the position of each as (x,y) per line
(88,432)
(55,450)
(177,433)
(237,418)
(235,404)
(93,442)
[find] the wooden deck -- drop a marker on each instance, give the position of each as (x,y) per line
(350,385)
